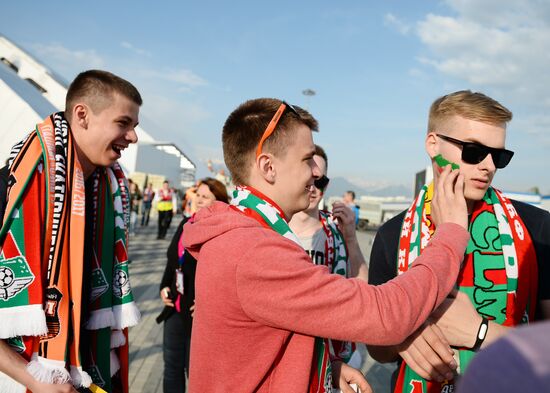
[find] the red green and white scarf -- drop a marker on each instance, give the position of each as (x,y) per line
(499,272)
(336,259)
(254,204)
(42,264)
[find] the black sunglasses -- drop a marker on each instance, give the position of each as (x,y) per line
(474,153)
(321,183)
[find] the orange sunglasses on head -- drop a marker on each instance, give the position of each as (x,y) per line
(273,123)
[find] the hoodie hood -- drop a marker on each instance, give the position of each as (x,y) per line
(211,222)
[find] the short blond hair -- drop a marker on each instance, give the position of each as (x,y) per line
(474,106)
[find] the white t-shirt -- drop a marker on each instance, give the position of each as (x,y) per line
(315,246)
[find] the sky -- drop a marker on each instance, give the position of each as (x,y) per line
(375,67)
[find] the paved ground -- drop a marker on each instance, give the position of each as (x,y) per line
(148,260)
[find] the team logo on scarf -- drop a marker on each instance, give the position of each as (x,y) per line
(53,297)
(121,283)
(15,276)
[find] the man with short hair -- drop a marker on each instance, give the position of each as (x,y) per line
(65,296)
(510,241)
(260,302)
(330,240)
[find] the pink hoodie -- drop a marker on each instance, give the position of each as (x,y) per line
(260,302)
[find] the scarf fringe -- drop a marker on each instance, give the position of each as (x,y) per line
(118,339)
(126,315)
(10,385)
(80,377)
(115,363)
(26,320)
(48,371)
(100,319)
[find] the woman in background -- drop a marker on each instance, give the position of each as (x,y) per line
(177,291)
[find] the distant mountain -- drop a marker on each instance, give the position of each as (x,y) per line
(395,190)
(339,185)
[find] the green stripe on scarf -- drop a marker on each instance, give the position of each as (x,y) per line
(493,253)
(246,198)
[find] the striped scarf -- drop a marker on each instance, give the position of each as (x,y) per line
(337,262)
(499,272)
(259,207)
(42,243)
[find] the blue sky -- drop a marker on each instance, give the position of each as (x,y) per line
(375,66)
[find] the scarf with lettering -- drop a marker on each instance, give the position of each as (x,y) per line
(336,259)
(254,204)
(42,242)
(499,272)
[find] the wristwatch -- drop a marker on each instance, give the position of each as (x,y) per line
(481,334)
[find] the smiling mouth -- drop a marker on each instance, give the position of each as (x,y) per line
(118,148)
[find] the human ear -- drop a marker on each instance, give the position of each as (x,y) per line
(80,115)
(266,167)
(431,145)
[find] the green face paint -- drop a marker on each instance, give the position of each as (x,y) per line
(439,160)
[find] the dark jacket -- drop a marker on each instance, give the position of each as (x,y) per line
(169,280)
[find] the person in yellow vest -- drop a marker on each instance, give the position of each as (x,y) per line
(166,206)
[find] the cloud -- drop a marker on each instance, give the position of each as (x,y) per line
(138,51)
(185,78)
(394,22)
(161,107)
(68,61)
(536,124)
(492,45)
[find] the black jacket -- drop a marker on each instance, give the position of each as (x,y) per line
(169,280)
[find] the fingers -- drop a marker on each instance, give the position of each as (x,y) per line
(442,356)
(448,203)
(459,185)
(345,388)
(364,387)
(417,362)
(360,382)
(165,296)
(430,355)
(349,377)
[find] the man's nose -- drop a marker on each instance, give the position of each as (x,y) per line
(316,171)
(132,135)
(488,163)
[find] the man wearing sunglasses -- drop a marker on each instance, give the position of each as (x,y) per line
(260,302)
(504,262)
(330,240)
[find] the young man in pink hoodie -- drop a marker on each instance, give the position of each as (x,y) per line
(260,302)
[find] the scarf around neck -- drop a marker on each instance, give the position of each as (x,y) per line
(42,259)
(254,204)
(499,272)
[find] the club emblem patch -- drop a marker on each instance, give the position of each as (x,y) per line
(15,276)
(121,283)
